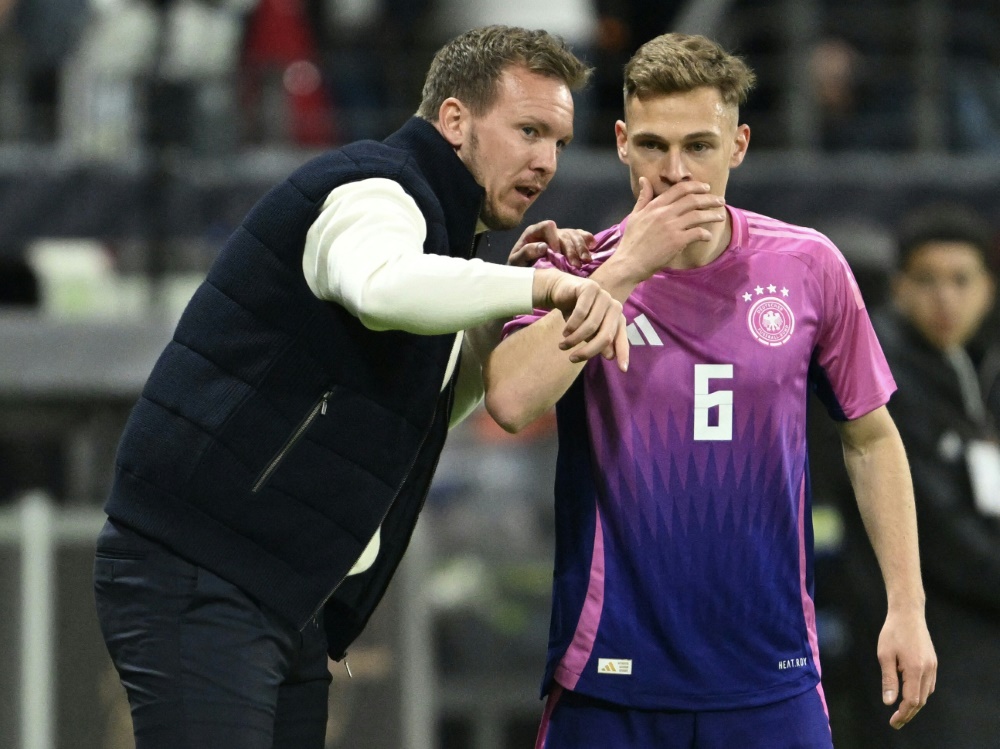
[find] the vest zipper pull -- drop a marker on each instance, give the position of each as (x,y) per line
(348,667)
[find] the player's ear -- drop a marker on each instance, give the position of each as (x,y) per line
(621,140)
(741,143)
(453,121)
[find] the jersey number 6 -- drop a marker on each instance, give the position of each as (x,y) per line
(705,400)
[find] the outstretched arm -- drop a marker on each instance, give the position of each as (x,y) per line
(877,466)
(365,252)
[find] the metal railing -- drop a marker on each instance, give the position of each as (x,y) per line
(37,527)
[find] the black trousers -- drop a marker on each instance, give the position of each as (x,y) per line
(205,666)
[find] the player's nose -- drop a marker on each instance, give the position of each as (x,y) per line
(674,169)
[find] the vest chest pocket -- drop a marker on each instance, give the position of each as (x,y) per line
(318,409)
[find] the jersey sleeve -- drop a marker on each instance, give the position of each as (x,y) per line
(551,260)
(848,369)
(604,243)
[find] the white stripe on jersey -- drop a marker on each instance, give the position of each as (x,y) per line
(802,233)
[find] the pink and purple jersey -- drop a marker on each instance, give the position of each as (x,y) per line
(683,570)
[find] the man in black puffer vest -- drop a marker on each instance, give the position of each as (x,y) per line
(270,476)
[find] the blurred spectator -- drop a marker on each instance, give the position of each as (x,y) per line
(575,21)
(833,74)
(946,363)
(622,26)
(285,95)
(41,35)
(190,93)
(100,109)
(154,71)
(973,76)
(373,52)
(856,110)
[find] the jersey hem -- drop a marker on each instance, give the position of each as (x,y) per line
(660,701)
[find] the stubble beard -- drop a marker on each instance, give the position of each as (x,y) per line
(490,217)
(494,221)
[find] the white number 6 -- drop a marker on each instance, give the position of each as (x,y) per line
(704,400)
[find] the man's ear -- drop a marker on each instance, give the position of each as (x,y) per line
(742,142)
(621,140)
(453,121)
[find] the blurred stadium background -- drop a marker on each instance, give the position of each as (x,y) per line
(134,135)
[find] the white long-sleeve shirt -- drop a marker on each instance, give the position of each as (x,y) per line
(365,252)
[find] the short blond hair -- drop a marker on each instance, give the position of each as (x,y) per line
(470,65)
(677,63)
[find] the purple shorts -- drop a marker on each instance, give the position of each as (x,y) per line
(575,721)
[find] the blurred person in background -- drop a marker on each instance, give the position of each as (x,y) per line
(158,73)
(270,476)
(574,21)
(39,37)
(827,80)
(285,91)
(683,611)
(373,54)
(972,78)
(622,26)
(945,357)
(857,110)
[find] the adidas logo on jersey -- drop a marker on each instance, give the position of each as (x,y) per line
(617,666)
(640,332)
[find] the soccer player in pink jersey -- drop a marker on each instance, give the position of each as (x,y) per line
(683,610)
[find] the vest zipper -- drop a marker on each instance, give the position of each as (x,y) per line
(402,483)
(315,613)
(319,409)
(384,516)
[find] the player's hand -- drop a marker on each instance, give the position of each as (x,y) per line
(905,648)
(661,226)
(594,321)
(575,244)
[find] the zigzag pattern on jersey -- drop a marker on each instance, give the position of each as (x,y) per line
(694,518)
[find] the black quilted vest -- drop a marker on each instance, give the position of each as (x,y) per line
(276,433)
